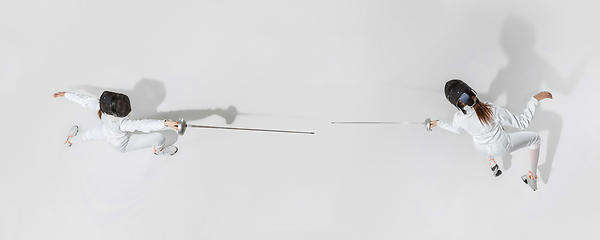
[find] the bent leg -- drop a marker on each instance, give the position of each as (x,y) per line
(532,141)
(489,152)
(147,140)
(98,133)
(524,139)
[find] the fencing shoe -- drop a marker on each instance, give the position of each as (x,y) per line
(530,180)
(72,133)
(168,150)
(495,169)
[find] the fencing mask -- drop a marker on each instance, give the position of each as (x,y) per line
(115,104)
(456,90)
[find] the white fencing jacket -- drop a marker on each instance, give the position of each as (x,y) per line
(119,130)
(494,135)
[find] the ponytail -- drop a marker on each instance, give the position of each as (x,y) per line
(484,113)
(100,114)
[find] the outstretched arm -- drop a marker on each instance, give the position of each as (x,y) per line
(522,121)
(147,125)
(83,100)
(449,126)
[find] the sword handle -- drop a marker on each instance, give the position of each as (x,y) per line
(182,126)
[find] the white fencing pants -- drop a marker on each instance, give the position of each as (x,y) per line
(146,140)
(131,143)
(516,141)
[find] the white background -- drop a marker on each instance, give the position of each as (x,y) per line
(297,65)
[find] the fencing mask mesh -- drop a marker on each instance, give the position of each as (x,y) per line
(115,104)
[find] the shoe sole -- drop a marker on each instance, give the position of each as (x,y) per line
(496,170)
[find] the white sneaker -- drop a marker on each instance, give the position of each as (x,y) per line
(530,180)
(72,133)
(495,169)
(168,150)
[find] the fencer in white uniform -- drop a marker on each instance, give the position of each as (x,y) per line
(117,128)
(490,138)
(493,140)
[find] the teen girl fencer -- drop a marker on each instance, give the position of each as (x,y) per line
(116,127)
(484,122)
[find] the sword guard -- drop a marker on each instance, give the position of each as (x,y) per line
(182,126)
(428,124)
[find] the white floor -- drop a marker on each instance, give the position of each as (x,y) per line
(297,65)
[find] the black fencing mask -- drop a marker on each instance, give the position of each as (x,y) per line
(456,90)
(115,104)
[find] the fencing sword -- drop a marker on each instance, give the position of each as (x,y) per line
(426,123)
(182,126)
